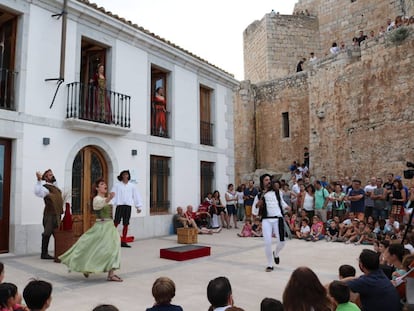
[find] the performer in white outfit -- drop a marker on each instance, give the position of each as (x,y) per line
(269,204)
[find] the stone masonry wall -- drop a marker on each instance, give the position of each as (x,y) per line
(368,126)
(274,45)
(342,20)
(273,98)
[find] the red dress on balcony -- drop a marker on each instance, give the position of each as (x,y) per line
(160,110)
(102,104)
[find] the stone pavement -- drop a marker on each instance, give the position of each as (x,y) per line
(242,260)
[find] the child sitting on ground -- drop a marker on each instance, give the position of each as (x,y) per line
(340,293)
(332,232)
(246,231)
(257,228)
(316,232)
(10,298)
(358,232)
(304,231)
(368,237)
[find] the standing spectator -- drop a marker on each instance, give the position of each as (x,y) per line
(369,202)
(372,34)
(337,199)
(342,46)
(299,66)
(379,196)
(306,157)
(219,208)
(390,24)
(38,295)
(312,58)
(356,197)
(127,196)
(240,201)
(321,200)
(361,37)
(375,289)
(163,291)
(398,197)
(309,201)
(249,195)
(389,186)
(334,48)
(288,195)
(313,295)
(231,205)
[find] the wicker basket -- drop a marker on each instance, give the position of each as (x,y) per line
(187,235)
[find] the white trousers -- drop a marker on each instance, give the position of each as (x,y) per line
(270,226)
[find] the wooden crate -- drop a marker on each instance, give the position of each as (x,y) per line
(187,235)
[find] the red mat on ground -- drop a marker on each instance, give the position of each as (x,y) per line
(186,252)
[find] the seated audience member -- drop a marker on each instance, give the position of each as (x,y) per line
(394,255)
(10,298)
(38,295)
(332,232)
(191,219)
(375,289)
(316,232)
(349,231)
(163,291)
(257,228)
(359,230)
(1,272)
(392,225)
(313,295)
(380,229)
(367,237)
(339,291)
(179,220)
(270,304)
(346,271)
(203,216)
(219,294)
(293,224)
(304,231)
(105,308)
(246,231)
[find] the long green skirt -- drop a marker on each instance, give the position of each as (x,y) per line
(97,250)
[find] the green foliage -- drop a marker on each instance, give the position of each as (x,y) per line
(399,35)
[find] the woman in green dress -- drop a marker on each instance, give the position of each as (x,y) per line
(99,248)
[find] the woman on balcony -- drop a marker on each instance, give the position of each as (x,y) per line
(102,105)
(160,109)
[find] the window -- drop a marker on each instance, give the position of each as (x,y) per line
(8,26)
(206,126)
(206,178)
(159,106)
(159,179)
(285,123)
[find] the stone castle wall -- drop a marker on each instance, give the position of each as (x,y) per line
(274,45)
(342,20)
(354,112)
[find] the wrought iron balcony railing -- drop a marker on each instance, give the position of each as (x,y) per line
(7,91)
(206,133)
(92,103)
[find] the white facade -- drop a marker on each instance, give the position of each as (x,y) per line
(130,56)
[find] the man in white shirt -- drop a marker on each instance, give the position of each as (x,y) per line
(126,195)
(269,204)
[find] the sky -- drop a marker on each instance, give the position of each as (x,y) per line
(212,30)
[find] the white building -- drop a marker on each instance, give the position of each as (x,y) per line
(80,138)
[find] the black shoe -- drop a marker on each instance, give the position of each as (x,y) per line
(269,269)
(46,256)
(124,244)
(277,259)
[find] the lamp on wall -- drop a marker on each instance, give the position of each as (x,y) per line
(46,141)
(134,152)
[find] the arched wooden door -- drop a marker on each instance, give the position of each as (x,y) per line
(88,166)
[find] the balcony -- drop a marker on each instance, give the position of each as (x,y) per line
(7,84)
(206,133)
(91,108)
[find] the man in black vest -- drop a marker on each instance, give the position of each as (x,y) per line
(47,189)
(269,204)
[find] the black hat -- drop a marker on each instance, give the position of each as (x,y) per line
(125,171)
